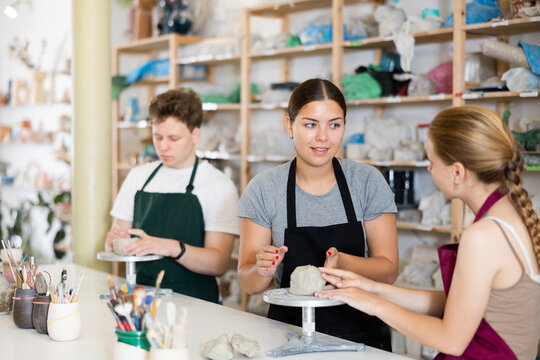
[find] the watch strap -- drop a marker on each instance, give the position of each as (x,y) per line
(182,250)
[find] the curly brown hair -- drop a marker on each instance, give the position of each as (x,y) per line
(182,104)
(479,139)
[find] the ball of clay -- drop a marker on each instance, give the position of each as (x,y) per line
(305,280)
(120,243)
(244,346)
(218,349)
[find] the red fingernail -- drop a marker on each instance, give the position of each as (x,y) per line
(273,263)
(277,251)
(329,253)
(277,257)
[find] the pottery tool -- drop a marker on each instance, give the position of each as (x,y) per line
(179,331)
(60,294)
(112,289)
(63,280)
(41,284)
(171,319)
(75,294)
(159,279)
(153,331)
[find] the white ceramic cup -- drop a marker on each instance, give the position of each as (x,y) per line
(64,321)
(129,352)
(120,243)
(169,354)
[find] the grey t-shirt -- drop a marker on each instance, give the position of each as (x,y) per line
(264,200)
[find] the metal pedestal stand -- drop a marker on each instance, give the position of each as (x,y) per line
(308,342)
(130,261)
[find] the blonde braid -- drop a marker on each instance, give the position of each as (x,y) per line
(521,200)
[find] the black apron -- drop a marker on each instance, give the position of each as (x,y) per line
(307,246)
(176,216)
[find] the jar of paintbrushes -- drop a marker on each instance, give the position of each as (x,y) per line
(64,321)
(134,310)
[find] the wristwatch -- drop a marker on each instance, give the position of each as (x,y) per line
(182,250)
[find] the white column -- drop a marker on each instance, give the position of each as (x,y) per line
(92,130)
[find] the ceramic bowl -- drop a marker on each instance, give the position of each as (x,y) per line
(120,243)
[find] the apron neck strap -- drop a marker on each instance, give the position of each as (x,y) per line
(495,196)
(151,176)
(189,187)
(343,189)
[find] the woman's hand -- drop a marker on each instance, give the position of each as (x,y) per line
(151,245)
(355,297)
(268,258)
(345,279)
(332,258)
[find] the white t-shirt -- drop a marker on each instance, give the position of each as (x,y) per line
(215,191)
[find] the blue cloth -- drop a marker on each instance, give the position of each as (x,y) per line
(478,11)
(532,52)
(152,67)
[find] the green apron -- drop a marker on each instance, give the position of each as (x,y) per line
(173,216)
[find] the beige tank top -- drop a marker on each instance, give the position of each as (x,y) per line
(514,313)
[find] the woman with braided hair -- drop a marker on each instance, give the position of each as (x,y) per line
(490,308)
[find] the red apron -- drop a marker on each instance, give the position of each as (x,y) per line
(486,344)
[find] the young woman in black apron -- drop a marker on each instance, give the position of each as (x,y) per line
(171,223)
(490,307)
(316,123)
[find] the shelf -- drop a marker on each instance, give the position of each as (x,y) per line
(210,59)
(152,81)
(268,106)
(216,155)
(18,143)
(31,106)
(268,158)
(424,37)
(25,188)
(403,164)
(304,50)
(142,124)
(401,100)
(156,43)
(419,227)
(505,27)
(496,95)
(292,6)
(209,106)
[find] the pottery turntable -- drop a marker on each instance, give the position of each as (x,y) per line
(308,342)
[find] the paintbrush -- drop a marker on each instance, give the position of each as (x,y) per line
(159,279)
(118,322)
(138,295)
(112,289)
(75,294)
